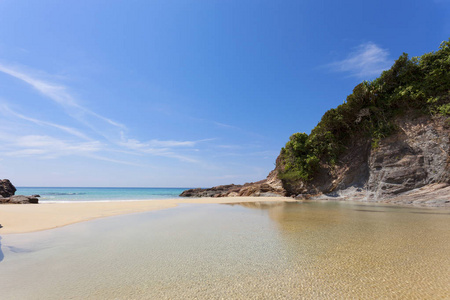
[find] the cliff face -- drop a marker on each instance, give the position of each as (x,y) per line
(415,156)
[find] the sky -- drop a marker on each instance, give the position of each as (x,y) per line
(184,93)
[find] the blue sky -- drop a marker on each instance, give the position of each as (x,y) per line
(184,93)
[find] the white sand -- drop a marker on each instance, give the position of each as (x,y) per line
(21,218)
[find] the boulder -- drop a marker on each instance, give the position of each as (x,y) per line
(7,189)
(19,199)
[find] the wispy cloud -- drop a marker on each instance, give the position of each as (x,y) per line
(230,147)
(367,60)
(162,148)
(59,94)
(46,146)
(113,133)
(117,161)
(223,125)
(5,109)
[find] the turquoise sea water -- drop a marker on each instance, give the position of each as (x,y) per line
(88,194)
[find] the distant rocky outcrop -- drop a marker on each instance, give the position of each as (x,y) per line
(7,191)
(269,187)
(217,191)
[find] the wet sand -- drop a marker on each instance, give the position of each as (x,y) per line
(17,218)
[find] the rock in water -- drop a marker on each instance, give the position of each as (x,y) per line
(7,189)
(20,199)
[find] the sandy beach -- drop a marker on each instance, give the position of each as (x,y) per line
(17,218)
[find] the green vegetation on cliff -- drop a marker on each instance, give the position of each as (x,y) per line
(420,84)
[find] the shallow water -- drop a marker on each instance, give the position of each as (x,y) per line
(325,250)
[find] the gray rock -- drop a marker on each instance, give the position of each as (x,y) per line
(269,187)
(217,191)
(416,156)
(7,189)
(19,199)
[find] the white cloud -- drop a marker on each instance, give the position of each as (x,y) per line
(367,60)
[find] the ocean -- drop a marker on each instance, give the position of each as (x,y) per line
(98,194)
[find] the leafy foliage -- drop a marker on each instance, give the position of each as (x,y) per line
(421,84)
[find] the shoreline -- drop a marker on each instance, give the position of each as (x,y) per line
(25,218)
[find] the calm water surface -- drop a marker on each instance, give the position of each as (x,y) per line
(89,194)
(290,251)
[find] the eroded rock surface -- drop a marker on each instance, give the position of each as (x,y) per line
(416,156)
(409,167)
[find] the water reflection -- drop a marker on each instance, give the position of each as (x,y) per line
(343,249)
(250,251)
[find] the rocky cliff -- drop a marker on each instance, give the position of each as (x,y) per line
(411,166)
